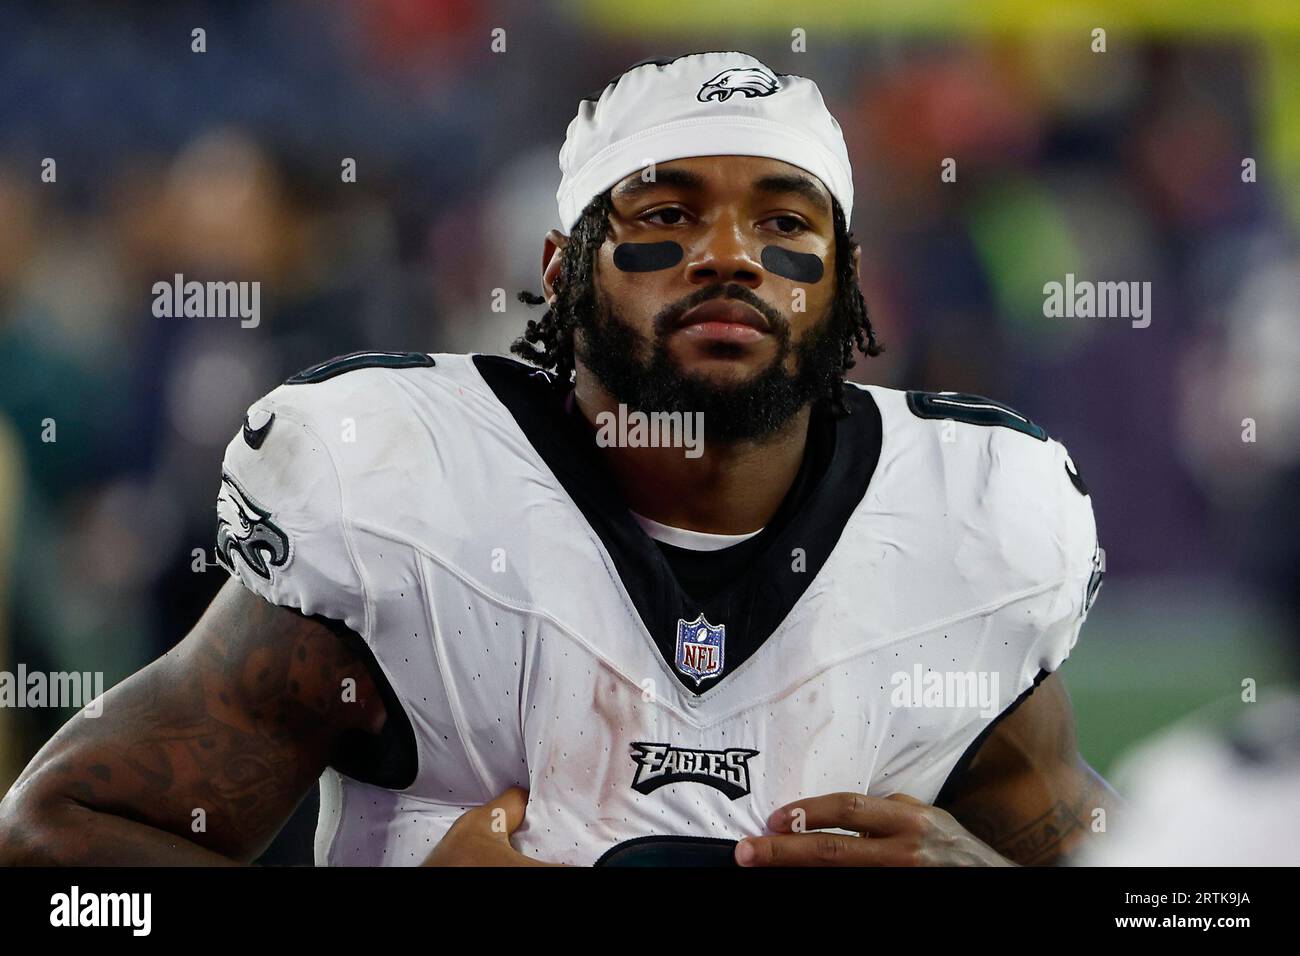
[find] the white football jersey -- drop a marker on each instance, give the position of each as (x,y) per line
(445,509)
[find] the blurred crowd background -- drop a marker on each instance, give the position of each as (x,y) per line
(1123,165)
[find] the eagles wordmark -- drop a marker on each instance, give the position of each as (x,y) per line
(661,764)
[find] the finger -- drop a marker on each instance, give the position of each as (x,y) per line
(494,853)
(906,798)
(498,818)
(506,812)
(476,849)
(844,811)
(823,849)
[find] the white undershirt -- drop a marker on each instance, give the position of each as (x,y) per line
(691,540)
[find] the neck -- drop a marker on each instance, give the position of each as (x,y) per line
(731,488)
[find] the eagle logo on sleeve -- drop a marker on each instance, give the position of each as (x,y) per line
(245,528)
(748,80)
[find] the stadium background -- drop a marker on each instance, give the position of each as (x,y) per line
(1123,165)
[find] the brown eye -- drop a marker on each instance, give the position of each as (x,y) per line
(672,216)
(788,225)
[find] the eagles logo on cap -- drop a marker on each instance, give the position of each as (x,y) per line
(679,107)
(751,81)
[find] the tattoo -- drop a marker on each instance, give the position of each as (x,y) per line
(1046,839)
(1027,792)
(1040,841)
(238,721)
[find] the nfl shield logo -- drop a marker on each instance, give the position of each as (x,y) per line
(700,648)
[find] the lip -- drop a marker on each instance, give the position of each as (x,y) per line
(724,312)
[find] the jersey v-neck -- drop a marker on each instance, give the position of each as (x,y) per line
(748,588)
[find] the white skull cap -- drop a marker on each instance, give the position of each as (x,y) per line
(700,104)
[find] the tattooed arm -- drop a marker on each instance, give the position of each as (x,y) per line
(1028,793)
(237,721)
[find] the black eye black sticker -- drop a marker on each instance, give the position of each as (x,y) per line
(647,256)
(653,256)
(799,266)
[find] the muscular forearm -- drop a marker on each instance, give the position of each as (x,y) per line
(63,832)
(1028,793)
(226,733)
(1035,828)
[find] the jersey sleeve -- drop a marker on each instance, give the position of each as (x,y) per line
(1079,562)
(280,524)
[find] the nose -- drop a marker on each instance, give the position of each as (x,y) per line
(723,256)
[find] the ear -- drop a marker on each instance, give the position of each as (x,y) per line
(551,262)
(857,266)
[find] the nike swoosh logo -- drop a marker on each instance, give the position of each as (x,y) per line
(254,437)
(1075,478)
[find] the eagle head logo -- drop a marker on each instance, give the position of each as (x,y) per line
(244,527)
(750,80)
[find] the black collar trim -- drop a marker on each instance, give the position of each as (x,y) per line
(784,564)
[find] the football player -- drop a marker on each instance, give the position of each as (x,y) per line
(704,600)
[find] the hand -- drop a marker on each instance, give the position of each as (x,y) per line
(481,836)
(894,831)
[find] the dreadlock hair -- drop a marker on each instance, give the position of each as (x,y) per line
(548,342)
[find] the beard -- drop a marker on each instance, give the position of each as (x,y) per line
(750,410)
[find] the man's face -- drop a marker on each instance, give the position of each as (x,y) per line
(714,293)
